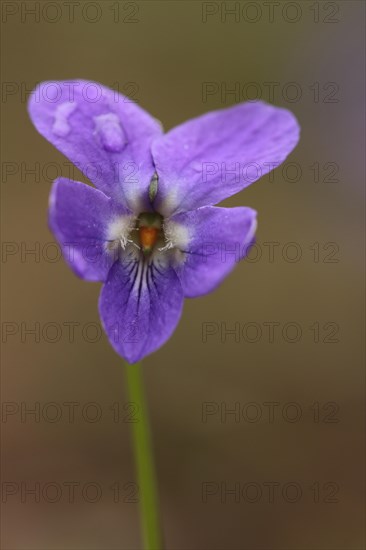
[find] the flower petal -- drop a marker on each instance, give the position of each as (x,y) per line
(140,306)
(79,217)
(219,238)
(212,157)
(106,135)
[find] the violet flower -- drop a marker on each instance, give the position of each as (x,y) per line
(149,231)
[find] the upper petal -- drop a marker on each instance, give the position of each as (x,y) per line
(80,217)
(106,135)
(209,158)
(217,239)
(140,306)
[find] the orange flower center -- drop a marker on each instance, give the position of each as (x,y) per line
(148,237)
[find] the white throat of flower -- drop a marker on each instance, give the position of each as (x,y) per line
(147,235)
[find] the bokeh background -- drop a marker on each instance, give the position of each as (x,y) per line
(310,451)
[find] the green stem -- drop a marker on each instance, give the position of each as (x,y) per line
(144,462)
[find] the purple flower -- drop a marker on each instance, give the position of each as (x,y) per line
(149,231)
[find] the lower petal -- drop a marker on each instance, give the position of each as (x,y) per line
(140,306)
(218,239)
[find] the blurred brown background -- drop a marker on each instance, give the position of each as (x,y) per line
(298,473)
